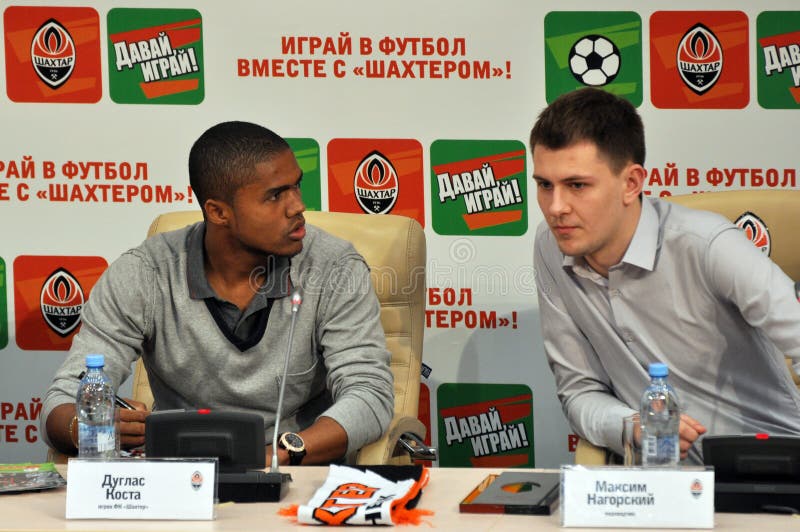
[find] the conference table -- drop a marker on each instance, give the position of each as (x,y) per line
(447,487)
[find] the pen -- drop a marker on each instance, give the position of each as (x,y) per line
(119,401)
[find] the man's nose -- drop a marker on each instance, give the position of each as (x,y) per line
(295,205)
(559,203)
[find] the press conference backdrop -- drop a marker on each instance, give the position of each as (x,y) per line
(414,108)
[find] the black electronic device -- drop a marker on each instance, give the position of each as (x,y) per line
(235,438)
(755,472)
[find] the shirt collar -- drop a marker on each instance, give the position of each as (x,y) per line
(276,285)
(641,251)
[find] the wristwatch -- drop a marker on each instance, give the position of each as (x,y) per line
(293,443)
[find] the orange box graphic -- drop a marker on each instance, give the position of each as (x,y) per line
(376,176)
(52,54)
(699,60)
(49,294)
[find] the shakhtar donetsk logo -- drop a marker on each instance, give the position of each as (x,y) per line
(699,59)
(376,184)
(197,480)
(756,230)
(696,488)
(61,302)
(53,53)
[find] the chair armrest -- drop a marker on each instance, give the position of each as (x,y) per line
(56,457)
(384,450)
(589,454)
(792,372)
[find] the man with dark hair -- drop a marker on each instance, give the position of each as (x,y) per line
(208,310)
(624,281)
(221,160)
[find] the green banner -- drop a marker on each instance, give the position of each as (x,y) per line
(596,49)
(306,151)
(479,187)
(485,425)
(155,56)
(778,59)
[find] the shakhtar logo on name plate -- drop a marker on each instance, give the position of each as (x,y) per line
(696,488)
(196,480)
(49,295)
(756,231)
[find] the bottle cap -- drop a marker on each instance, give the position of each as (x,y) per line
(95,361)
(657,369)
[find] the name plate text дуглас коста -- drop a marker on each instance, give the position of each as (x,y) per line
(141,489)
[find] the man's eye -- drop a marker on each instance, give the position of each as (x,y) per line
(578,186)
(544,185)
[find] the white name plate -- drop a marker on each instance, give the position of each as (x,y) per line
(141,489)
(623,497)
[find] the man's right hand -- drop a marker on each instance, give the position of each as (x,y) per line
(131,424)
(690,429)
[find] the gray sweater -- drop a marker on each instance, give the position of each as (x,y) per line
(339,365)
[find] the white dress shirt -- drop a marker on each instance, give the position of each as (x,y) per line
(692,292)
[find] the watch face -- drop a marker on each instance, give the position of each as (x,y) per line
(292,441)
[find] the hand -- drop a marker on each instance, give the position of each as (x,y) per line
(690,429)
(131,424)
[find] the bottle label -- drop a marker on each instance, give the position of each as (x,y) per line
(96,439)
(105,439)
(660,450)
(650,447)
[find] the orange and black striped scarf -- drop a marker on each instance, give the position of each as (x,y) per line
(372,495)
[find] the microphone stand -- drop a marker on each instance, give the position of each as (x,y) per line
(297,299)
(277,481)
(260,486)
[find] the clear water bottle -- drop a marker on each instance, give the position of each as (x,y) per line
(95,404)
(660,417)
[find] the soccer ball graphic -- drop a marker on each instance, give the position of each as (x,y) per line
(594,60)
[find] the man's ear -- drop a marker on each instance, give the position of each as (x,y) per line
(634,176)
(217,212)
